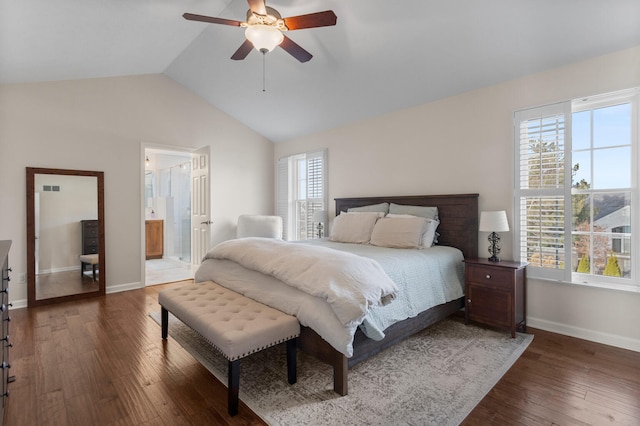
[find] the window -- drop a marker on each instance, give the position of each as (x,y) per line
(576,190)
(301,190)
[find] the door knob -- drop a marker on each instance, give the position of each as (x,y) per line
(207,222)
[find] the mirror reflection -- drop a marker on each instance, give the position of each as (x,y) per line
(149,193)
(64,234)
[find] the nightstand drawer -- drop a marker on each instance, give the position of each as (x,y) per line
(490,276)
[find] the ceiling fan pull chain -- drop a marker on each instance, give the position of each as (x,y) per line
(264,78)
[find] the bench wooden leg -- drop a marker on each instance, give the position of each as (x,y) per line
(292,374)
(164,322)
(234,386)
(94,271)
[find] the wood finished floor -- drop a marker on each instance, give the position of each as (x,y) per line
(101,361)
(64,283)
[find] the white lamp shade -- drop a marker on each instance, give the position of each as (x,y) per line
(494,221)
(264,37)
(320,216)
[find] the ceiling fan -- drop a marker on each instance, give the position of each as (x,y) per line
(264,27)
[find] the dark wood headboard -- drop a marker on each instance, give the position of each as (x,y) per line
(458,216)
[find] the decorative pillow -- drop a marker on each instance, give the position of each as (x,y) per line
(377,214)
(354,227)
(382,207)
(429,235)
(428,212)
(399,232)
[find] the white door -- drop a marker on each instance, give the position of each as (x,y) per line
(200,205)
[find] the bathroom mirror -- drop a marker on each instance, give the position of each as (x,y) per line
(149,190)
(65,235)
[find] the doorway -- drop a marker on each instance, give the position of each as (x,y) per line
(167,205)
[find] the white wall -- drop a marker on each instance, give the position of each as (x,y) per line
(463,144)
(100,124)
(59,215)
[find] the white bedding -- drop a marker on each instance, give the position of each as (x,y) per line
(313,309)
(426,278)
(349,283)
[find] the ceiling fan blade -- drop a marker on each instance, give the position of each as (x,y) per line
(257,6)
(242,51)
(295,50)
(312,20)
(211,19)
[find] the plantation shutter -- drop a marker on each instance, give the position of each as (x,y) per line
(543,178)
(315,187)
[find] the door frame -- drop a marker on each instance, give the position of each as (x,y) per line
(143,148)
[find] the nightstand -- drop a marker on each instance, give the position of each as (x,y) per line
(495,294)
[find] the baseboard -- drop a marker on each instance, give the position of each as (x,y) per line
(123,287)
(18,304)
(583,333)
(62,269)
(22,303)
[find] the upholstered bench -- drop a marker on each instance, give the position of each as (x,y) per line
(234,324)
(89,259)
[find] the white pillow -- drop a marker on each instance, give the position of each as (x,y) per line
(354,227)
(378,214)
(382,207)
(399,232)
(421,211)
(429,234)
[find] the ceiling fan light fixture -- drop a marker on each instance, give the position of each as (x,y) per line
(264,38)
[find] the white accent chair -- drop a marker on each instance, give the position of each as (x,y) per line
(259,226)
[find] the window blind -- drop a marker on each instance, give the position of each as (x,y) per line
(315,187)
(542,179)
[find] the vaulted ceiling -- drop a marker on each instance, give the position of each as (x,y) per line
(380,57)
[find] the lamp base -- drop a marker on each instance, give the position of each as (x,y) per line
(494,247)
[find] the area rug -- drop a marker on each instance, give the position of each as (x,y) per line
(435,377)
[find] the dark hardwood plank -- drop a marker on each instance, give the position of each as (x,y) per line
(102,361)
(564,380)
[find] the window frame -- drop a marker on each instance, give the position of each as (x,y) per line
(568,108)
(288,197)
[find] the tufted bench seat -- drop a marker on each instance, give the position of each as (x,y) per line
(89,259)
(234,324)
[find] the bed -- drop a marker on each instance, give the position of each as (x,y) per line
(458,215)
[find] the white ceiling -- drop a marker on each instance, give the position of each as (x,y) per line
(380,57)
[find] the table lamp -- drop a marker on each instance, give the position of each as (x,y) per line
(320,216)
(494,222)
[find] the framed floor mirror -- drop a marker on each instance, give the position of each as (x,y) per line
(65,235)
